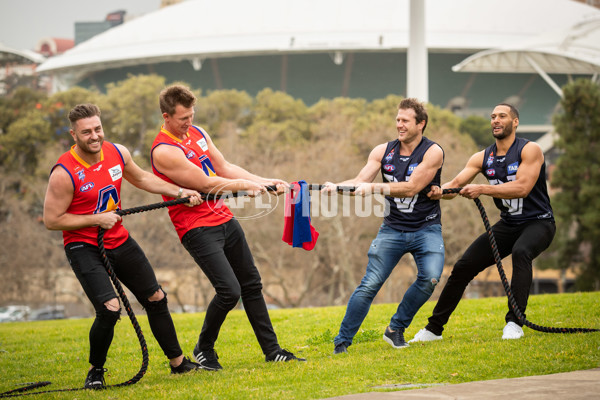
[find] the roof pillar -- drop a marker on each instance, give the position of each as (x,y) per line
(417,64)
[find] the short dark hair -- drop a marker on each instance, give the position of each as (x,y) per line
(418,107)
(173,95)
(513,110)
(82,111)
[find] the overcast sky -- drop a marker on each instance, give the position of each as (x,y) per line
(24,22)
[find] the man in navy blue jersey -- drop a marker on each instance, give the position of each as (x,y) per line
(412,223)
(516,172)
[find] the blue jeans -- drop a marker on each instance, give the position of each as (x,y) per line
(426,246)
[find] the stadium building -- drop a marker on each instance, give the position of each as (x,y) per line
(329,48)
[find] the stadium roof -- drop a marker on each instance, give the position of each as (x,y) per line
(12,56)
(575,50)
(198,29)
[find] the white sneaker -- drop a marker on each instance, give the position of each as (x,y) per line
(512,331)
(425,336)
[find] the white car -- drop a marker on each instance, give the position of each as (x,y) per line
(14,313)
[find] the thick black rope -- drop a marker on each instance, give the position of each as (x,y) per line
(130,313)
(123,296)
(154,206)
(29,386)
(511,300)
(126,304)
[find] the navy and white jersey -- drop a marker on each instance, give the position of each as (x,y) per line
(502,169)
(409,213)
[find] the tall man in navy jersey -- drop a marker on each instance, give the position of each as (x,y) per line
(516,171)
(412,223)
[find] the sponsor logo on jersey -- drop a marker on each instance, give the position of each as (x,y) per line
(190,154)
(490,159)
(431,217)
(388,158)
(389,167)
(202,144)
(115,173)
(490,172)
(81,175)
(86,187)
(411,168)
(512,168)
(189,141)
(98,168)
(501,159)
(404,159)
(545,216)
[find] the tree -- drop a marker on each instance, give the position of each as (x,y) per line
(13,106)
(478,128)
(221,108)
(57,107)
(577,177)
(272,135)
(130,114)
(25,139)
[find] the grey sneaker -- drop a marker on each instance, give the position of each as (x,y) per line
(340,348)
(395,338)
(95,379)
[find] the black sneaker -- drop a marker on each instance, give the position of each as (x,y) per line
(95,379)
(340,348)
(396,338)
(185,366)
(282,355)
(207,359)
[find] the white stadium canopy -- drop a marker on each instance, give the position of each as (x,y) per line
(13,56)
(575,50)
(197,29)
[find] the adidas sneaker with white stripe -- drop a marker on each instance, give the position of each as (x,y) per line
(207,359)
(282,355)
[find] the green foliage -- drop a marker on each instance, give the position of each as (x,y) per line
(577,178)
(23,141)
(322,338)
(15,106)
(472,350)
(57,107)
(279,120)
(478,128)
(272,135)
(224,107)
(375,125)
(130,112)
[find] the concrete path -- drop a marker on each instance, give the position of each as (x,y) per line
(576,385)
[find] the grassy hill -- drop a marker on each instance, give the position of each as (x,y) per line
(472,350)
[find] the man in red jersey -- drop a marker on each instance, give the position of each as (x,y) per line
(185,155)
(83,192)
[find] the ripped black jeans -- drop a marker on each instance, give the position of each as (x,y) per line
(134,271)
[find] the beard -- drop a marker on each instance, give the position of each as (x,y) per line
(506,131)
(86,148)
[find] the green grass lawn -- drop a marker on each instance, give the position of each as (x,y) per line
(472,350)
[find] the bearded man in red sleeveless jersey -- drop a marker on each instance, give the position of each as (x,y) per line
(185,155)
(84,191)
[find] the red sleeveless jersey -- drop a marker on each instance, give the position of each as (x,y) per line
(96,189)
(195,148)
